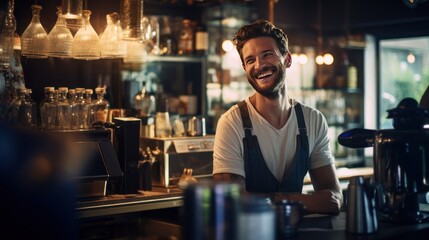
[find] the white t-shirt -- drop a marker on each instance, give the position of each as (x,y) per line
(277,145)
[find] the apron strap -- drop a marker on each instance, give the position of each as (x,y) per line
(247,123)
(301,126)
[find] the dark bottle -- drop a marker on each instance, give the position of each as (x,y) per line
(201,40)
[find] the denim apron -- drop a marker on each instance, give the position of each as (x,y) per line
(259,178)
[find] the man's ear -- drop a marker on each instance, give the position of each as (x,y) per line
(288,60)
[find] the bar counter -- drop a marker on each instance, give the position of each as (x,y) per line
(315,226)
(129,203)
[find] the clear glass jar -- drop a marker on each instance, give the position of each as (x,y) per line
(86,43)
(7,31)
(82,113)
(101,106)
(48,109)
(88,108)
(111,43)
(34,39)
(72,98)
(60,38)
(64,110)
(24,109)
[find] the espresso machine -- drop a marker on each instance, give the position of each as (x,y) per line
(177,154)
(401,162)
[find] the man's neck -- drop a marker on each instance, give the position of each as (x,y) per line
(275,111)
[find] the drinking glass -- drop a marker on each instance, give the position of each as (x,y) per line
(131,18)
(136,51)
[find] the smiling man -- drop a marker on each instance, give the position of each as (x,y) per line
(269,142)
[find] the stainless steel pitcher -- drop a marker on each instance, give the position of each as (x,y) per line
(361,211)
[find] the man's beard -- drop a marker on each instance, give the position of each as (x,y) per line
(271,92)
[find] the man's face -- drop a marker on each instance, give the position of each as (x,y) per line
(265,66)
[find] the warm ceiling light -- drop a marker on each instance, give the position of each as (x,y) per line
(411,58)
(227,45)
(328,59)
(302,58)
(319,60)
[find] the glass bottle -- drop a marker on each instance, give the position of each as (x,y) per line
(7,97)
(162,120)
(88,108)
(144,102)
(7,31)
(111,43)
(150,34)
(56,101)
(86,43)
(101,106)
(23,109)
(201,40)
(72,98)
(63,110)
(34,108)
(16,65)
(18,108)
(48,109)
(186,38)
(168,43)
(34,39)
(81,111)
(60,38)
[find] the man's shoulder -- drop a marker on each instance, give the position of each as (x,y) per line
(231,116)
(306,109)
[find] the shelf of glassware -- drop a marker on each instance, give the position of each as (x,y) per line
(343,110)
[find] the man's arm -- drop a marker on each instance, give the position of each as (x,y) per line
(327,196)
(231,178)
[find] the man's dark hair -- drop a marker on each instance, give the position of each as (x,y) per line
(260,28)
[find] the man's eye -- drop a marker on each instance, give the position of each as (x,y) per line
(267,54)
(250,61)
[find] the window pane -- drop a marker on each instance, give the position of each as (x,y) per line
(403,73)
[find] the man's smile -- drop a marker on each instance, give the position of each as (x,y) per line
(265,73)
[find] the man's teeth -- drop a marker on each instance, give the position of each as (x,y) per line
(264,74)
